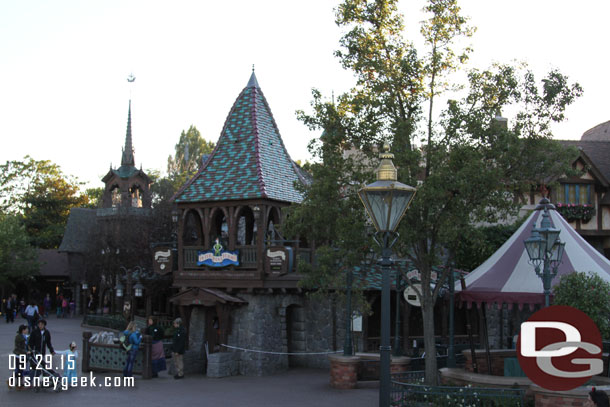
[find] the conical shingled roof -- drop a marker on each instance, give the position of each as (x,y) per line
(249,161)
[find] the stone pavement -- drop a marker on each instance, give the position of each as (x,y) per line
(296,387)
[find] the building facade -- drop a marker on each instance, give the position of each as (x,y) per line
(237,276)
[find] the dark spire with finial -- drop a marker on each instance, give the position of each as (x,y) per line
(128,159)
(252,83)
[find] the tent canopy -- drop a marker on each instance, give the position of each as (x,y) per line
(508,277)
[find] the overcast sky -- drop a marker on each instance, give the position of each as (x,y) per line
(64,64)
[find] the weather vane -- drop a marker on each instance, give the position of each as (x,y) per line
(131,78)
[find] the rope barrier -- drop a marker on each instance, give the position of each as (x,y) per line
(280,353)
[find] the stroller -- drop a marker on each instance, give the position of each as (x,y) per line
(50,373)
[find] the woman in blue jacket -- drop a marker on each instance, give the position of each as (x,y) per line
(131,343)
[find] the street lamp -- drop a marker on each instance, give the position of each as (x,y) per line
(139,288)
(544,248)
(386,201)
(118,289)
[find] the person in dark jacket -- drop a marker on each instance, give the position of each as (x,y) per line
(40,339)
(9,307)
(158,354)
(178,348)
(21,348)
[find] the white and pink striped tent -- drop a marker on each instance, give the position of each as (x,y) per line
(507,277)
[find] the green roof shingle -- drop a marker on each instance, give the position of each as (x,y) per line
(249,161)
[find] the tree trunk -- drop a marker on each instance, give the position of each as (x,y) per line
(429,342)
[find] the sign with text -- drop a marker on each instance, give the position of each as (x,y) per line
(163,260)
(217,257)
(276,259)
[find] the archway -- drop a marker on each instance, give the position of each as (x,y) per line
(246,227)
(192,235)
(219,227)
(135,196)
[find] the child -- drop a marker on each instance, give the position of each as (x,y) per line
(70,357)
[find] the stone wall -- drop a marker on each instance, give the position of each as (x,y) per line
(504,323)
(282,323)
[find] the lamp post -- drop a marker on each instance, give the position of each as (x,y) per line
(386,202)
(545,249)
(398,322)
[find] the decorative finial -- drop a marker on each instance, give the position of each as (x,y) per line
(252,68)
(386,170)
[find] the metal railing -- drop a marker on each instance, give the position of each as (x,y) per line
(410,394)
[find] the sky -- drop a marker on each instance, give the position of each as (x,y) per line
(64,65)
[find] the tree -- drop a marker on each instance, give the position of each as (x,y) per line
(336,230)
(94,195)
(187,159)
(471,168)
(42,195)
(589,293)
(18,259)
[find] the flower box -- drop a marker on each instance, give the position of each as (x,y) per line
(572,212)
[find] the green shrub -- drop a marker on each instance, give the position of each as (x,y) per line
(589,293)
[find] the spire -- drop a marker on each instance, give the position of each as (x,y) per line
(128,149)
(252,83)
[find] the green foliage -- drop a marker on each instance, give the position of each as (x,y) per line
(95,197)
(42,195)
(589,293)
(477,244)
(18,259)
(187,159)
(471,168)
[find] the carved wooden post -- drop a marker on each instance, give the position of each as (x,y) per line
(85,363)
(147,357)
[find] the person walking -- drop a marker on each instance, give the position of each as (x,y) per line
(10,308)
(46,304)
(158,354)
(64,308)
(131,343)
(58,300)
(21,348)
(178,348)
(40,339)
(69,366)
(32,314)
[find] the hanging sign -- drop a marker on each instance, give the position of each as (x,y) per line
(411,295)
(415,275)
(217,257)
(276,259)
(163,260)
(356,322)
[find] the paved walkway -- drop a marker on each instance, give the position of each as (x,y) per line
(297,387)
